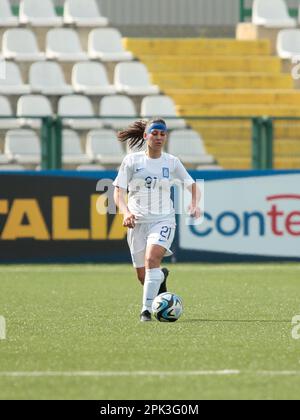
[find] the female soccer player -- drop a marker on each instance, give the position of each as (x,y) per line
(150,214)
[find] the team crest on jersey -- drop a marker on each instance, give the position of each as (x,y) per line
(166,172)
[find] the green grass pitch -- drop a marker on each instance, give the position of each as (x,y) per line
(73,332)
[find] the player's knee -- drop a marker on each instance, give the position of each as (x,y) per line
(152,262)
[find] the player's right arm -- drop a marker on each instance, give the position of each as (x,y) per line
(120,201)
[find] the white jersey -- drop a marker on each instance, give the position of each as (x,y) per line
(149,183)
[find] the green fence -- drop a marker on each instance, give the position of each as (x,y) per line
(51,139)
(257,141)
(59,10)
(51,142)
(259,132)
(246,10)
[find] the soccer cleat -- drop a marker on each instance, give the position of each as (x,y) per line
(163,286)
(145,316)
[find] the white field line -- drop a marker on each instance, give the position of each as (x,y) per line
(120,373)
(100,374)
(2,328)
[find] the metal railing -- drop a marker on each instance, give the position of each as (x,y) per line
(262,144)
(50,136)
(246,11)
(262,133)
(51,142)
(15,9)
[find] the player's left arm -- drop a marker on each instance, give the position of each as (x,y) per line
(189,183)
(194,207)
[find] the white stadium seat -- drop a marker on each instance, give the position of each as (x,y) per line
(23,146)
(209,168)
(33,106)
(288,43)
(91,78)
(90,168)
(3,160)
(48,78)
(72,150)
(21,45)
(189,146)
(134,79)
(6,111)
(11,168)
(64,45)
(13,84)
(163,106)
(102,146)
(106,45)
(272,14)
(6,17)
(118,106)
(83,13)
(78,106)
(39,13)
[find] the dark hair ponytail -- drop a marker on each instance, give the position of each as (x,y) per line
(135,132)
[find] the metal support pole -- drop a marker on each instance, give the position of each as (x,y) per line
(46,140)
(242,10)
(257,127)
(57,144)
(269,128)
(262,143)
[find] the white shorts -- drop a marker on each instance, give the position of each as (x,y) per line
(145,234)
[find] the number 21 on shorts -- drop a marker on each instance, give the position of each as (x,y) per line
(165,233)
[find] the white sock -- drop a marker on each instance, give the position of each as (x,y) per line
(153,280)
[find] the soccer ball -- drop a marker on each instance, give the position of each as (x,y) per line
(167,307)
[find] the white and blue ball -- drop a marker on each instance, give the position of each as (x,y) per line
(167,307)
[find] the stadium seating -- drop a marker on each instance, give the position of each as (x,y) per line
(90,168)
(63,44)
(288,43)
(91,78)
(194,153)
(134,79)
(72,150)
(83,13)
(39,13)
(23,146)
(78,106)
(21,45)
(272,14)
(118,106)
(10,168)
(3,159)
(102,147)
(6,111)
(163,106)
(33,106)
(48,79)
(106,45)
(13,84)
(6,17)
(222,78)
